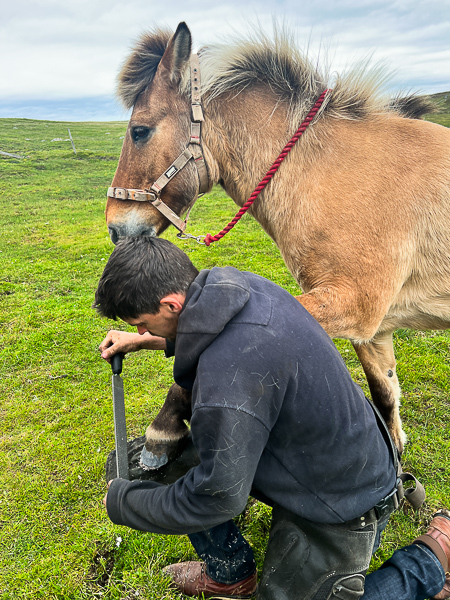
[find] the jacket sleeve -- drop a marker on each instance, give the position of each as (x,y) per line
(170,349)
(229,442)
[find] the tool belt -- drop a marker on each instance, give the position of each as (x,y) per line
(319,561)
(316,561)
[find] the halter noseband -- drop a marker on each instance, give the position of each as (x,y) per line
(193,152)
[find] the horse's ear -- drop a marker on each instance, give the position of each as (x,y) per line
(177,54)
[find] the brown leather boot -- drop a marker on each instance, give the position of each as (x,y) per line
(190,578)
(437,538)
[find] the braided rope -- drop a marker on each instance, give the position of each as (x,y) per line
(270,173)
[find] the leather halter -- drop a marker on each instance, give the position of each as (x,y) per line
(193,152)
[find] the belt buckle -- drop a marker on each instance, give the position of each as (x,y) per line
(387,505)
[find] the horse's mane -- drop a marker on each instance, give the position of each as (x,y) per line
(139,68)
(277,63)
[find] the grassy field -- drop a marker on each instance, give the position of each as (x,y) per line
(56,541)
(442,116)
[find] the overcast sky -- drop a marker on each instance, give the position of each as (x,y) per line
(60,59)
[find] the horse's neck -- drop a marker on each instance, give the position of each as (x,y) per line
(244,134)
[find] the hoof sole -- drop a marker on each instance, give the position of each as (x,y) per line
(150,461)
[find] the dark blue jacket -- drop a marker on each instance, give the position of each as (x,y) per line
(275,414)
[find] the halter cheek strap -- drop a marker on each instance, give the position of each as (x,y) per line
(195,144)
(193,152)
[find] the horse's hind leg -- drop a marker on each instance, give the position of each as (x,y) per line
(378,361)
(166,436)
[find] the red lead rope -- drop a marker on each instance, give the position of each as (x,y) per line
(270,173)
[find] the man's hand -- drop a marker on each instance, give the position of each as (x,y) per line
(107,487)
(124,341)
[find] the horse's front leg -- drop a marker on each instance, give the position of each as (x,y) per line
(166,437)
(378,361)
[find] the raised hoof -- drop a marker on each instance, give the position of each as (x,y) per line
(155,454)
(150,461)
(168,473)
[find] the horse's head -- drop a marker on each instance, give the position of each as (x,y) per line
(155,82)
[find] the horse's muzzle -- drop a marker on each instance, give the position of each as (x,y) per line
(119,232)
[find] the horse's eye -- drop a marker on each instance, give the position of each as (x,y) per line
(140,133)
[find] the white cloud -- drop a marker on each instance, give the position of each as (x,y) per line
(61,50)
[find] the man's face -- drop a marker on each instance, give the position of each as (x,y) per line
(164,323)
(158,325)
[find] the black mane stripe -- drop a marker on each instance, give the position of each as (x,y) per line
(140,67)
(278,64)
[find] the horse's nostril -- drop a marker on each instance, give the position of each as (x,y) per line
(113,234)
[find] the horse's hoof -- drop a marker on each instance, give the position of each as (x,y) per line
(166,474)
(156,453)
(150,461)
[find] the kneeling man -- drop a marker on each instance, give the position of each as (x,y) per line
(275,415)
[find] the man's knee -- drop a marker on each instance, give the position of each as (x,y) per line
(348,587)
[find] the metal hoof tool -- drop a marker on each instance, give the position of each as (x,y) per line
(120,425)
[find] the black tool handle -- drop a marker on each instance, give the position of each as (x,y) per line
(116,363)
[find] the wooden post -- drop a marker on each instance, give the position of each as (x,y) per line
(9,154)
(71,141)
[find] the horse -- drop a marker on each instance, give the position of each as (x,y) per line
(359,209)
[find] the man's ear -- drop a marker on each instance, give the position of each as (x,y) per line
(173,302)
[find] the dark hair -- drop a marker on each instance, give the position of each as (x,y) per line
(139,273)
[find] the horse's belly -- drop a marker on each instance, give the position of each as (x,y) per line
(427,313)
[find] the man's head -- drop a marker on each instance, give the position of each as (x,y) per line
(140,274)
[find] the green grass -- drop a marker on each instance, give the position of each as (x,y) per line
(442,117)
(56,541)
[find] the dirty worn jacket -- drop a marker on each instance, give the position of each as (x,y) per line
(275,414)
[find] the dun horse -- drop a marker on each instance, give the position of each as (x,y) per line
(360,209)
